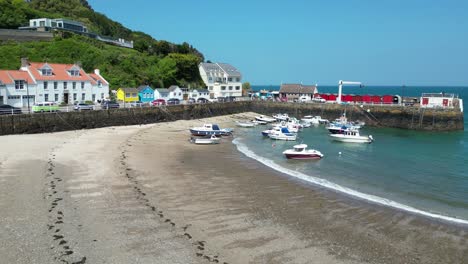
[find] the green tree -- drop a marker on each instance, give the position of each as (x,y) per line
(245,88)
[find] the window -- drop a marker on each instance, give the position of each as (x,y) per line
(74,97)
(237,88)
(223,88)
(82,85)
(56,98)
(46,84)
(55,85)
(46,72)
(99,83)
(237,79)
(230,79)
(83,96)
(34,23)
(230,88)
(102,95)
(74,72)
(134,94)
(180,94)
(14,97)
(46,97)
(19,84)
(210,88)
(127,94)
(94,97)
(210,78)
(74,85)
(65,85)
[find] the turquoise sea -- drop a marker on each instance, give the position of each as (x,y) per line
(421,172)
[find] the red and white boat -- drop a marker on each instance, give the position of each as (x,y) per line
(301,152)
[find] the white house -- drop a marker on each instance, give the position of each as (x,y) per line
(161,93)
(200,93)
(175,92)
(51,82)
(222,79)
(61,23)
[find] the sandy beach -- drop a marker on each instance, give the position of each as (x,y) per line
(144,194)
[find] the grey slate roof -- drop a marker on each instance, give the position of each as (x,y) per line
(203,90)
(162,90)
(297,88)
(173,87)
(130,90)
(221,67)
(142,87)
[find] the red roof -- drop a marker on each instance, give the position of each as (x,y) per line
(9,77)
(59,72)
(96,77)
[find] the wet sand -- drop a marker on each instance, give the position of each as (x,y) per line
(144,194)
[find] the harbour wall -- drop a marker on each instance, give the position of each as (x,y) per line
(394,116)
(378,116)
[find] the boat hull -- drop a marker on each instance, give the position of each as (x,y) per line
(208,132)
(303,156)
(283,137)
(342,138)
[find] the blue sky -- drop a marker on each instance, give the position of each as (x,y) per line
(412,42)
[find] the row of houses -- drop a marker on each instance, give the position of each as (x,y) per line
(51,82)
(146,94)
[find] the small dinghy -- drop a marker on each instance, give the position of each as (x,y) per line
(245,124)
(205,140)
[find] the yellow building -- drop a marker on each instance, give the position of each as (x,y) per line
(127,95)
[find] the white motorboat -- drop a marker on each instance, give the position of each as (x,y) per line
(281,117)
(301,152)
(259,122)
(210,129)
(314,120)
(205,140)
(351,136)
(245,124)
(265,119)
(282,133)
(305,124)
(293,128)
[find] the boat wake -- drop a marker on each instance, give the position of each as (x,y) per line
(327,184)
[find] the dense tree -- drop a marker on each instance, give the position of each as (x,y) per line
(246,88)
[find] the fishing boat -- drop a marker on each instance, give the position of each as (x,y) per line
(210,129)
(281,117)
(282,133)
(301,152)
(351,136)
(245,124)
(265,119)
(205,140)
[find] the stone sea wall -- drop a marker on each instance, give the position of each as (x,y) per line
(380,116)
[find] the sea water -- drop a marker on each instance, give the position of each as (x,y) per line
(419,171)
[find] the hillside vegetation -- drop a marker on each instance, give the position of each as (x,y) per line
(155,62)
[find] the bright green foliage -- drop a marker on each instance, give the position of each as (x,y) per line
(154,62)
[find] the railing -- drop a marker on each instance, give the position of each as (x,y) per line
(449,95)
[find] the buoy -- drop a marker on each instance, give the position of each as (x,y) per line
(339,153)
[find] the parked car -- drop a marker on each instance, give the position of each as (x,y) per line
(82,106)
(173,101)
(109,104)
(227,99)
(203,100)
(159,102)
(191,101)
(45,107)
(318,99)
(137,104)
(9,110)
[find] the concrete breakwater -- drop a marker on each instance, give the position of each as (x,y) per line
(406,117)
(384,116)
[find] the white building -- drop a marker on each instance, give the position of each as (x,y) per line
(60,23)
(200,93)
(161,93)
(175,92)
(51,82)
(444,100)
(222,79)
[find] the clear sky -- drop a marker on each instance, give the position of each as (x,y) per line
(394,42)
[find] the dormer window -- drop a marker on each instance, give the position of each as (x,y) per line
(74,72)
(46,72)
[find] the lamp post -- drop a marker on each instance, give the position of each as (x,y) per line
(27,95)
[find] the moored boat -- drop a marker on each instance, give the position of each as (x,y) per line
(210,129)
(245,124)
(205,140)
(281,117)
(351,136)
(301,152)
(282,133)
(265,119)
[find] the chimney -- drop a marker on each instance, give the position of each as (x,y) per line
(24,62)
(97,72)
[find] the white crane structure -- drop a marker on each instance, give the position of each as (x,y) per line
(340,88)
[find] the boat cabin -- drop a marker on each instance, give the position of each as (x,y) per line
(300,147)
